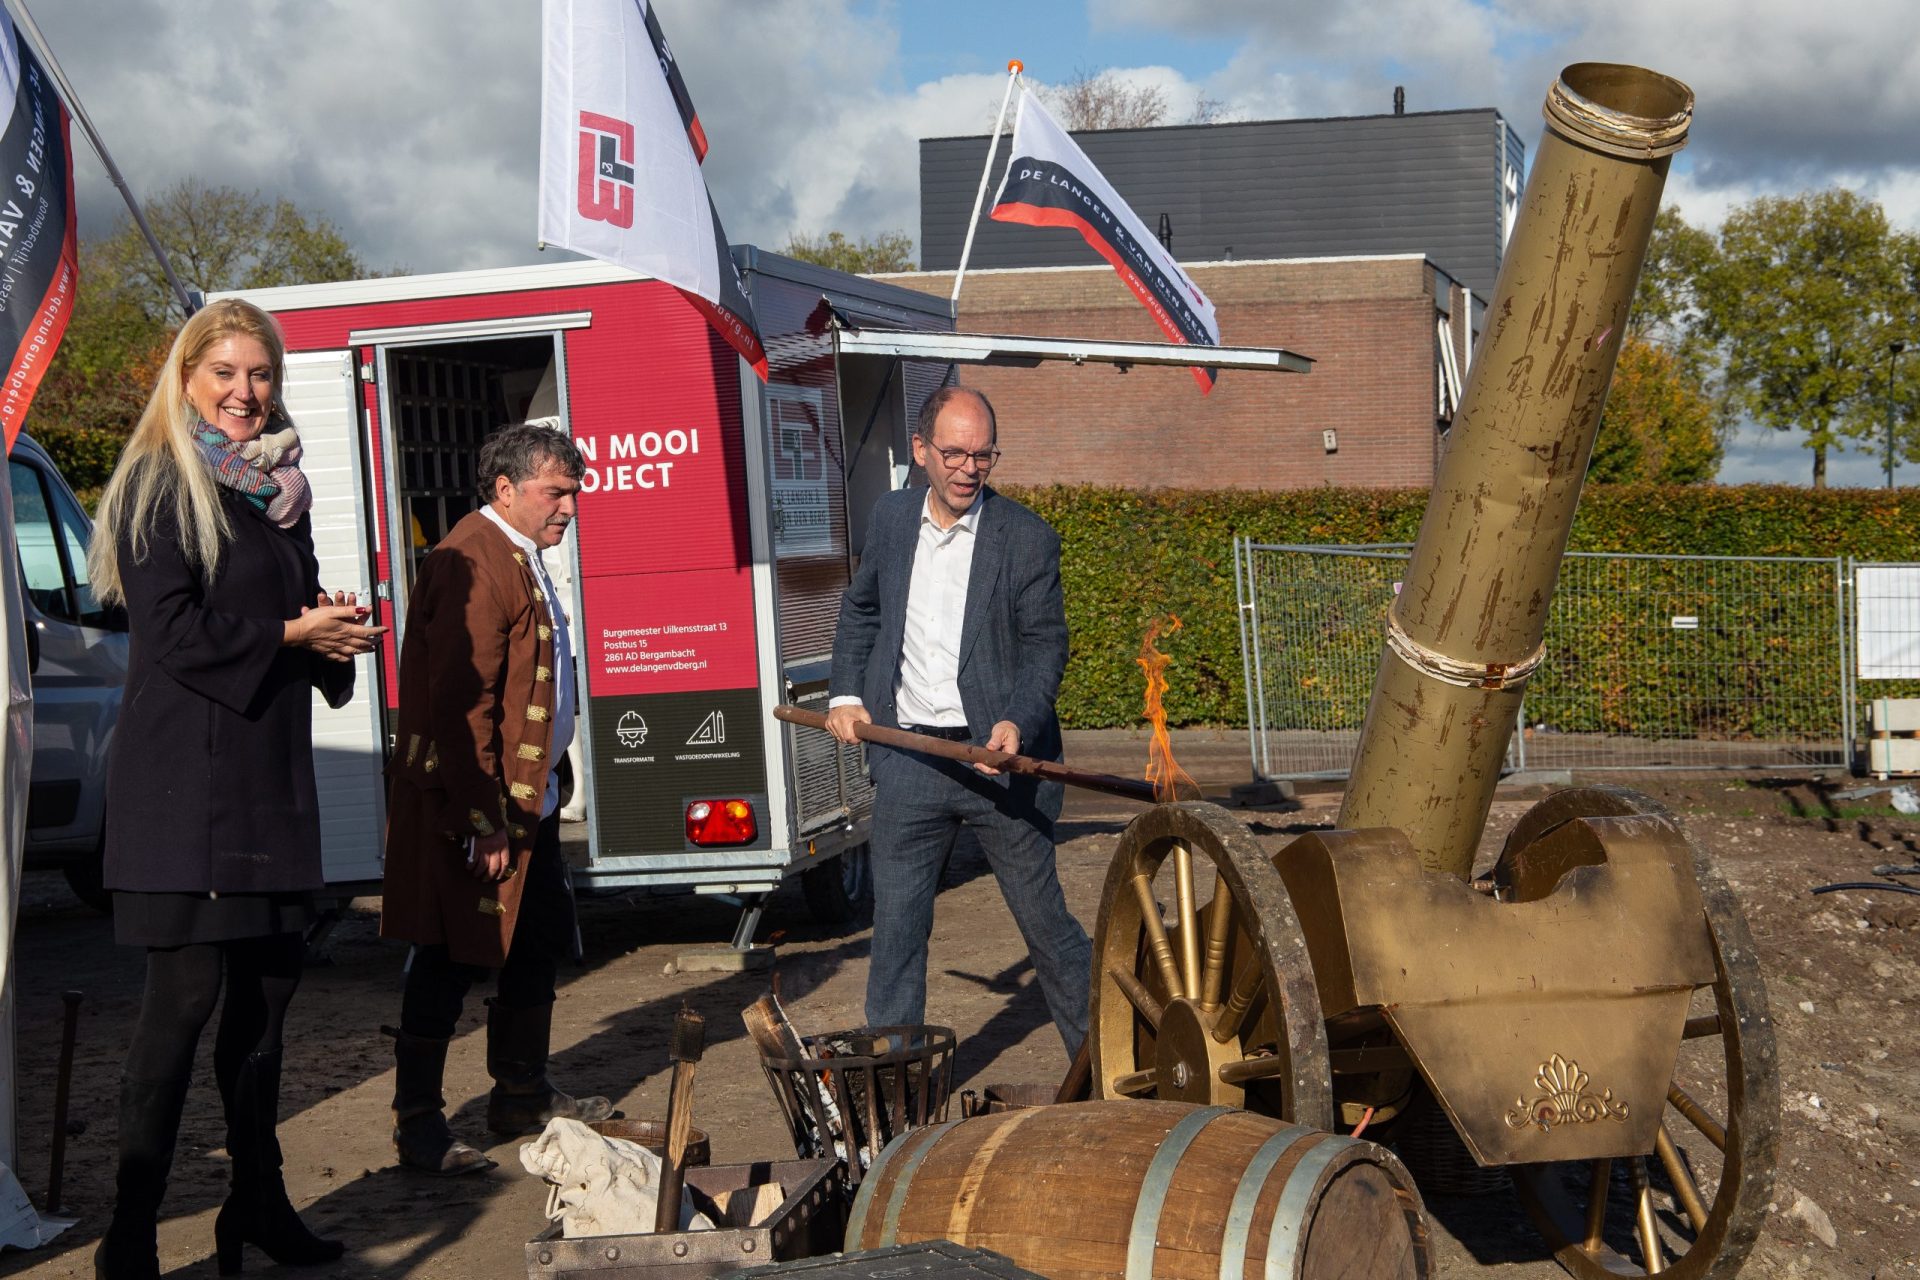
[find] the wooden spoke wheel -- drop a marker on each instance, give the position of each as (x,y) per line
(1694,1206)
(1203,990)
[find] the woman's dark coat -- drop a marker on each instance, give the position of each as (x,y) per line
(210,783)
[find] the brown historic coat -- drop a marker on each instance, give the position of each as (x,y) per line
(473,748)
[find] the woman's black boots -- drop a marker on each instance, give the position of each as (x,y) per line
(149,1125)
(257,1211)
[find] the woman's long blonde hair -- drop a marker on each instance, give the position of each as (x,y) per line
(161,464)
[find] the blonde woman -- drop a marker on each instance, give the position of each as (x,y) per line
(213,828)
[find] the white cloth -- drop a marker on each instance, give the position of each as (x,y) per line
(600,1186)
(563,716)
(928,689)
(21,1225)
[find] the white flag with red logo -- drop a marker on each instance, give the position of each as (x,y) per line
(1051,183)
(620,152)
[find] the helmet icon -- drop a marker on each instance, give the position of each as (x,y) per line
(632,729)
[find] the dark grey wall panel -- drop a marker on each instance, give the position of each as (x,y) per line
(1429,183)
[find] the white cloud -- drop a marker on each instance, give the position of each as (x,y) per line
(413,123)
(1790,96)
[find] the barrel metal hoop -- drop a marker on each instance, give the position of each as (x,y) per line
(1233,1241)
(1153,1189)
(903,1180)
(1457,671)
(1283,1245)
(862,1198)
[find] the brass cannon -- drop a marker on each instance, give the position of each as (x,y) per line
(1588,1015)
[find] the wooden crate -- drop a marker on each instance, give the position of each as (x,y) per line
(928,1260)
(810,1221)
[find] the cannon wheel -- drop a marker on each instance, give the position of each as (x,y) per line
(1211,1004)
(1694,1208)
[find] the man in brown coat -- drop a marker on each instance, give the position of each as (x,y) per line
(474,873)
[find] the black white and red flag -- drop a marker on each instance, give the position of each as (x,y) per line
(620,152)
(38,256)
(682,100)
(1050,183)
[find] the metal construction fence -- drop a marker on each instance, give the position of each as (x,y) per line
(1653,661)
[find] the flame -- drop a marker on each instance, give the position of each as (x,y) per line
(1170,781)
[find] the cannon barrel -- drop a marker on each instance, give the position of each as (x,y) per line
(1467,626)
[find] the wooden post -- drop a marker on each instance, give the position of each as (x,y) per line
(689,1042)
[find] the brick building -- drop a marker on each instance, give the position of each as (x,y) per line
(1382,384)
(1368,243)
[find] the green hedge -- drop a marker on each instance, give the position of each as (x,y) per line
(1129,556)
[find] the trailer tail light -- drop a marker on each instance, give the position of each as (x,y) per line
(721,822)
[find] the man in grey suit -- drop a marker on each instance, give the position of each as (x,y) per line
(954,627)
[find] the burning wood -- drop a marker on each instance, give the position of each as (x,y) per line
(1169,781)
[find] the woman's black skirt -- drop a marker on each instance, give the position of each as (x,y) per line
(183,919)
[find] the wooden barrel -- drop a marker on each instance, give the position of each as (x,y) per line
(1148,1189)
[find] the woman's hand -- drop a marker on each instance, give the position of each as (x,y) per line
(332,628)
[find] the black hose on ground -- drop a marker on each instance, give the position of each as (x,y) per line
(1868,884)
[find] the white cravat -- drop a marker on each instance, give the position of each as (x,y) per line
(562,661)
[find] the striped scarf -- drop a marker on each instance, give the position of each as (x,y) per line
(269,478)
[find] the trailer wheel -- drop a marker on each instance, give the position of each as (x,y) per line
(839,891)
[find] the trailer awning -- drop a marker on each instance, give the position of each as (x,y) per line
(1021,352)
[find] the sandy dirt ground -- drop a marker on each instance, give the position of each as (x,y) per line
(1840,970)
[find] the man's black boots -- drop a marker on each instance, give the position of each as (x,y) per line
(149,1126)
(420,1131)
(523,1099)
(257,1210)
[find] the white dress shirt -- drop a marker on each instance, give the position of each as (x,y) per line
(563,716)
(928,689)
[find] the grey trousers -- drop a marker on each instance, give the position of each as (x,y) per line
(920,804)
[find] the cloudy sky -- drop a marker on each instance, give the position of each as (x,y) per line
(413,124)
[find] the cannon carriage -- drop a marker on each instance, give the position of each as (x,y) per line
(1587,1014)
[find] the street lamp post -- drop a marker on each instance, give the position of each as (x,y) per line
(1893,356)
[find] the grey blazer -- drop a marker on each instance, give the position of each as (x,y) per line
(1013,637)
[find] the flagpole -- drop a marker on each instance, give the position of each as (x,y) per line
(1013,76)
(24,20)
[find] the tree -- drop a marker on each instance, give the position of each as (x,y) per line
(99,379)
(223,238)
(1659,422)
(885,251)
(1102,100)
(1666,303)
(1802,299)
(125,313)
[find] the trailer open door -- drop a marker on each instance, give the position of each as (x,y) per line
(322,397)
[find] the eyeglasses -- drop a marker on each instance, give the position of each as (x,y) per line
(956,458)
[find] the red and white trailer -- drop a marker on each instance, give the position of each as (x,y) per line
(720,518)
